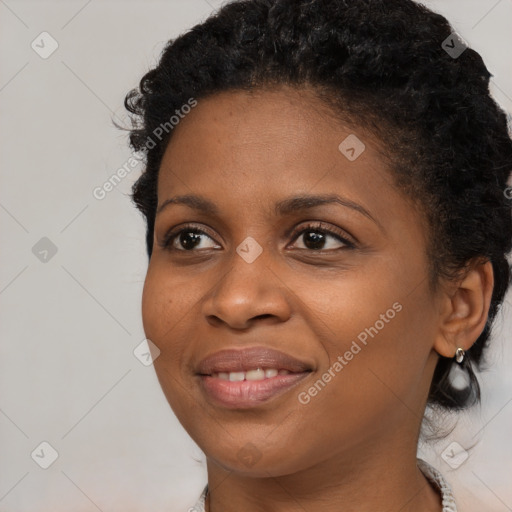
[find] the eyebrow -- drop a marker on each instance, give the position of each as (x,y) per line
(283,207)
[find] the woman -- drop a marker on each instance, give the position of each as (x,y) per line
(327,227)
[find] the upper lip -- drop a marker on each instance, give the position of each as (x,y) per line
(241,360)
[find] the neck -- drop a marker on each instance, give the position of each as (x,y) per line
(384,476)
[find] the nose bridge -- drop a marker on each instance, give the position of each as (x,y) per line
(248,289)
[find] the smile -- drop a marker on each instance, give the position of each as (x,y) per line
(256,374)
(245,390)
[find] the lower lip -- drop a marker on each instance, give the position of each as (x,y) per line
(248,393)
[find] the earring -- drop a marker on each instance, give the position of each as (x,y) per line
(459,355)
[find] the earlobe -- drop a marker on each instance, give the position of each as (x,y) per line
(465,310)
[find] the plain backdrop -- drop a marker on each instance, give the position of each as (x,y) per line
(73,267)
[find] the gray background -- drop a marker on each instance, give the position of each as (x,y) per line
(70,321)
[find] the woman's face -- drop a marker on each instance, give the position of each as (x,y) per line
(339,286)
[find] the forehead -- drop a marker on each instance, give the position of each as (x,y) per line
(263,144)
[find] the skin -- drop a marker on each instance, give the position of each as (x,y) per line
(354,444)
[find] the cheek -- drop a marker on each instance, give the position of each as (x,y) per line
(378,327)
(164,310)
(346,306)
(170,301)
(152,307)
(393,361)
(161,305)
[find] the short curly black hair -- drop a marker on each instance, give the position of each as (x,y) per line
(382,65)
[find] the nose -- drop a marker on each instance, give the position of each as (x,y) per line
(247,293)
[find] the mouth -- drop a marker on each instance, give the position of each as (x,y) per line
(243,379)
(253,375)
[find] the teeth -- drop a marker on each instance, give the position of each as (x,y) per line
(236,376)
(256,374)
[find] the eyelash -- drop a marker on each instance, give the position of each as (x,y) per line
(316,227)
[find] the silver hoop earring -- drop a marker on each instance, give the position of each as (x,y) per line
(459,355)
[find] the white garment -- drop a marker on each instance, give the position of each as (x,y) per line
(430,473)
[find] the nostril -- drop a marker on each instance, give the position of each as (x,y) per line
(263,316)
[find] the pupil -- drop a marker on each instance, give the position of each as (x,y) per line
(185,242)
(314,239)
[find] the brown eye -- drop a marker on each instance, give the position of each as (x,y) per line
(189,238)
(315,238)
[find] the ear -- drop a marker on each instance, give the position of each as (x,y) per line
(464,309)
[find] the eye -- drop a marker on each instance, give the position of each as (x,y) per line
(315,237)
(189,237)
